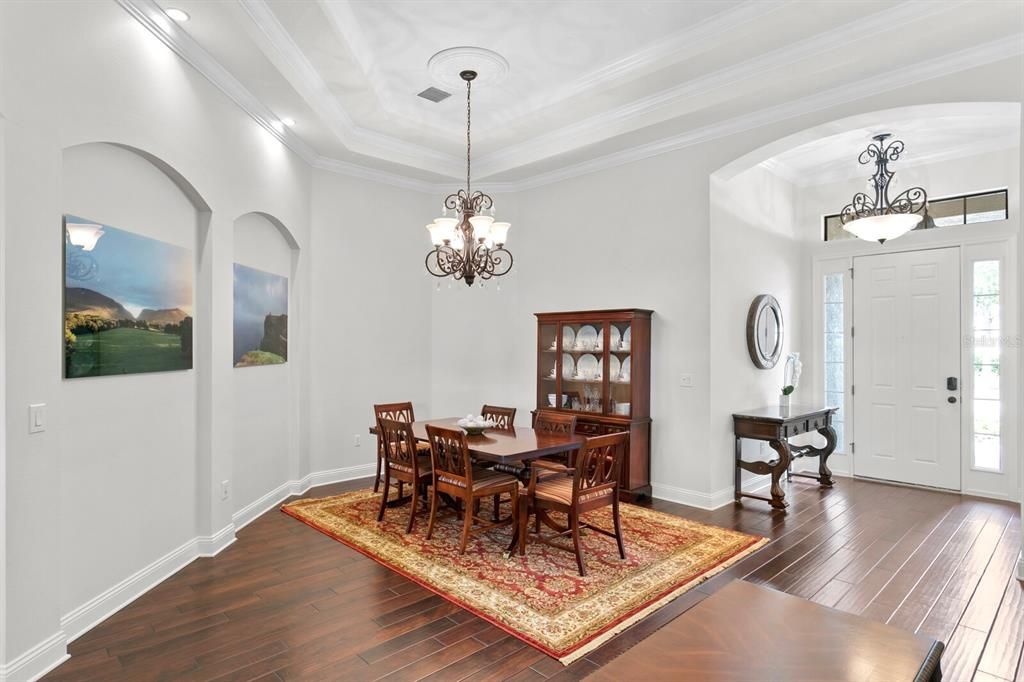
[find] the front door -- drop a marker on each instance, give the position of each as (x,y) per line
(906,378)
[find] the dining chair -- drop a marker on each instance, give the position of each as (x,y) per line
(549,421)
(401,412)
(455,475)
(504,419)
(405,463)
(593,483)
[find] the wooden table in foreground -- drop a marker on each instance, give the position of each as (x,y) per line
(777,425)
(746,632)
(504,447)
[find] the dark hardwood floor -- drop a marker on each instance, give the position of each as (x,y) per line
(286,602)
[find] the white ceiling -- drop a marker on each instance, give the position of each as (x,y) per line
(587,79)
(976,129)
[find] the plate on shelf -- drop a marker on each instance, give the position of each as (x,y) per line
(613,363)
(587,365)
(568,366)
(568,338)
(586,337)
(627,366)
(616,337)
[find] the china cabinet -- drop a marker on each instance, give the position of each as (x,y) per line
(597,365)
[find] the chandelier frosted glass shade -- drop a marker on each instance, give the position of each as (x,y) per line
(879,218)
(881,228)
(84,236)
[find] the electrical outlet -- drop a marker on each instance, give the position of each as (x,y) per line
(225,490)
(355,440)
(686,381)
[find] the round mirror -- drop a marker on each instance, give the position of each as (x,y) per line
(764,331)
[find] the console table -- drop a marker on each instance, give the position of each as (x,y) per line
(777,425)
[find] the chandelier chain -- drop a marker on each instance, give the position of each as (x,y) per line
(469,89)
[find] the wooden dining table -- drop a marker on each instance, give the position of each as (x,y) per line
(514,446)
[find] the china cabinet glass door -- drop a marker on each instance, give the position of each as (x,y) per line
(582,367)
(620,367)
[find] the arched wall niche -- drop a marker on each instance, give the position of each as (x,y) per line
(128,442)
(266,398)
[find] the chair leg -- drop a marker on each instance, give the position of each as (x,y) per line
(412,508)
(384,496)
(497,508)
(467,523)
(618,525)
(401,490)
(574,521)
(524,513)
(536,522)
(433,511)
(376,479)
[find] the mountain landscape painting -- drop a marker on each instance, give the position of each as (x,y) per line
(261,317)
(127,302)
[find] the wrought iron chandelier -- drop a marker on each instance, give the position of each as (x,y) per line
(470,245)
(880,218)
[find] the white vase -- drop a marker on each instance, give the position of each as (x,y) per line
(785,400)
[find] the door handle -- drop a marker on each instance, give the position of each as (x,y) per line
(951,383)
(951,399)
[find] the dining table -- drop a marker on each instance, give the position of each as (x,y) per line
(518,445)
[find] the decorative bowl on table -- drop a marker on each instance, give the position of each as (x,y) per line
(474,425)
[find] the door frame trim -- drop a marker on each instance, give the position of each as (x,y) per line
(990,237)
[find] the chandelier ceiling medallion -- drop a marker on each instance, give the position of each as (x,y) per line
(468,243)
(879,218)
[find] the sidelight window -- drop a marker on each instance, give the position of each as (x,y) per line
(835,356)
(985,355)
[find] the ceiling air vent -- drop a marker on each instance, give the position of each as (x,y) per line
(434,95)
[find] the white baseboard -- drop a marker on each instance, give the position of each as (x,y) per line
(80,620)
(37,661)
(257,508)
(211,545)
(83,618)
(702,500)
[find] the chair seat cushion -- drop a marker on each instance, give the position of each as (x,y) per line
(560,490)
(422,462)
(482,479)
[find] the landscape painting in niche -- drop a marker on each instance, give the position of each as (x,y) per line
(261,317)
(127,302)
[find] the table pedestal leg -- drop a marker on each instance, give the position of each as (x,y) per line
(824,473)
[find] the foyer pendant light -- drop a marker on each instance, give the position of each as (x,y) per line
(879,218)
(471,244)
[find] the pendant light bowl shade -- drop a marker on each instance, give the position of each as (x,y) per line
(879,218)
(881,228)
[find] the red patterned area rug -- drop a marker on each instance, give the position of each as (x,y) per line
(539,598)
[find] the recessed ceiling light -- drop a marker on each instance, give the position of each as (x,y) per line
(288,121)
(177,14)
(278,126)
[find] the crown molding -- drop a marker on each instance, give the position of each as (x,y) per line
(622,119)
(979,55)
(153,17)
(150,15)
(282,51)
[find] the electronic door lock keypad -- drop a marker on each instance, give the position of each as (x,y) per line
(951,383)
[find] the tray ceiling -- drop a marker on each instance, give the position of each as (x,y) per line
(587,79)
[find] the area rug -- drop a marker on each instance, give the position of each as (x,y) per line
(539,598)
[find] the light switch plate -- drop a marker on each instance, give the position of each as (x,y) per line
(37,418)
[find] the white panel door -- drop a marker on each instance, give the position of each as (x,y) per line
(906,345)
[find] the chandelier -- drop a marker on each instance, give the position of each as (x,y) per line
(470,245)
(880,218)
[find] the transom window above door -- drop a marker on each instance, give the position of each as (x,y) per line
(959,210)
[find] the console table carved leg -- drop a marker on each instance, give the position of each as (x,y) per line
(780,446)
(824,473)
